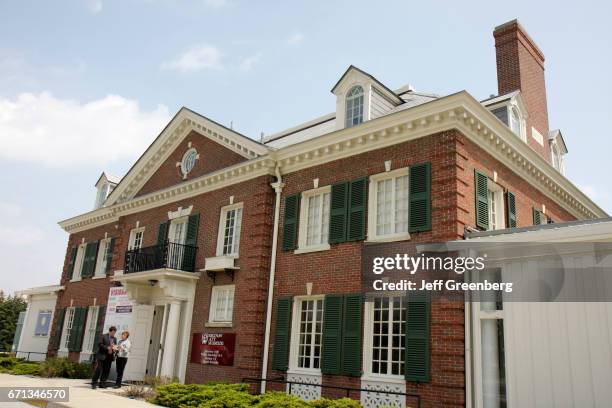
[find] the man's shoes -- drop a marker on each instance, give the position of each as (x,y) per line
(94,386)
(117,386)
(102,386)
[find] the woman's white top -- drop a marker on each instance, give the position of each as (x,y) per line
(124,348)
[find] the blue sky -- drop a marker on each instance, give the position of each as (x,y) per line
(86,85)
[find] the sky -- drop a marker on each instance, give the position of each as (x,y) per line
(86,85)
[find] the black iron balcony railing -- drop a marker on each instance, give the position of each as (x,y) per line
(168,255)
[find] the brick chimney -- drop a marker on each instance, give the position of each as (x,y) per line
(520,66)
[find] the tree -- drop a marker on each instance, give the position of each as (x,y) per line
(10,307)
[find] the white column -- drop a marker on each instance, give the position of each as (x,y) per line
(171,339)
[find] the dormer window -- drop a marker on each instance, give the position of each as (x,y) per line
(515,121)
(105,185)
(510,109)
(354,106)
(558,150)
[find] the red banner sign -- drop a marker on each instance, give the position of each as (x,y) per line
(213,348)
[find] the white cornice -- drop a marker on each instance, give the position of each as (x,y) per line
(458,111)
(209,182)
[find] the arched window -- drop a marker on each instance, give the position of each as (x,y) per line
(515,122)
(354,106)
(556,159)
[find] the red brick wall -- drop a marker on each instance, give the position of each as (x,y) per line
(339,269)
(213,156)
(520,66)
(82,293)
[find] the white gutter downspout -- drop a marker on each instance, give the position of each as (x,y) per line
(278,188)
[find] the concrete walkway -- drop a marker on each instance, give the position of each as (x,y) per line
(81,394)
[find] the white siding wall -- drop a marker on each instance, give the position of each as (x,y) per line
(28,341)
(560,354)
(380,105)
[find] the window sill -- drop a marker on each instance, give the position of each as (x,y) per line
(388,378)
(99,277)
(218,324)
(389,238)
(306,371)
(314,248)
(75,280)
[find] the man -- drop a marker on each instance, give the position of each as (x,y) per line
(104,357)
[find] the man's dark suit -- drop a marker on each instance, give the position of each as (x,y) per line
(104,360)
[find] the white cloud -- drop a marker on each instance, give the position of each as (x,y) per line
(42,129)
(248,63)
(217,3)
(94,6)
(295,39)
(195,59)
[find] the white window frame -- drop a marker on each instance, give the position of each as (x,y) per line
(368,347)
(132,240)
(294,345)
(373,206)
(216,290)
(303,246)
(362,95)
(500,215)
(101,258)
(68,323)
(77,267)
(50,313)
(237,232)
(89,337)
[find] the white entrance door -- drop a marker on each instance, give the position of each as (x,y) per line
(176,235)
(140,336)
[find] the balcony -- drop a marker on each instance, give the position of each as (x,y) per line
(167,256)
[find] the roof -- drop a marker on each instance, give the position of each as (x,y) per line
(110,177)
(556,134)
(354,68)
(560,230)
(40,290)
(499,98)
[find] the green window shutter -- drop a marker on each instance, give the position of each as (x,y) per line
(89,261)
(191,239)
(282,332)
(99,326)
(109,256)
(78,325)
(59,326)
(537,217)
(162,233)
(358,198)
(482,200)
(73,254)
(351,335)
(338,212)
(418,317)
(419,206)
(290,222)
(511,207)
(331,342)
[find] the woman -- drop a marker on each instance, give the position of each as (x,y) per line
(123,352)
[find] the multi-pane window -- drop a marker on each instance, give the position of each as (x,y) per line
(392,205)
(92,325)
(43,321)
(310,332)
(229,230)
(68,322)
(317,227)
(354,106)
(104,256)
(136,236)
(388,336)
(496,206)
(78,262)
(221,304)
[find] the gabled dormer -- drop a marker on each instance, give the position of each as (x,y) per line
(361,97)
(510,109)
(104,186)
(558,150)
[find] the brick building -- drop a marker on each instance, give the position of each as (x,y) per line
(211,232)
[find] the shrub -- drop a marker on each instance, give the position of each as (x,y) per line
(276,399)
(138,391)
(26,368)
(63,367)
(338,403)
(8,362)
